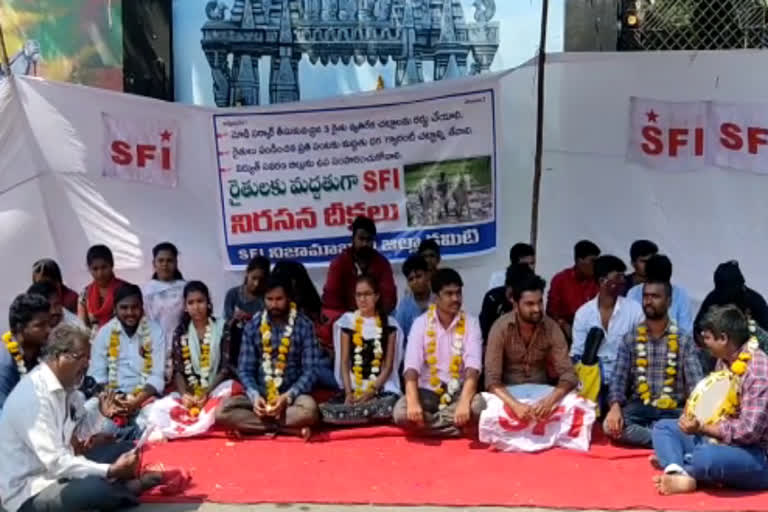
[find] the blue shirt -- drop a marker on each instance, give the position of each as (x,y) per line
(9,374)
(679,310)
(302,363)
(408,310)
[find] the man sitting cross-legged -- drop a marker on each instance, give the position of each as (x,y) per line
(278,367)
(656,369)
(523,347)
(733,452)
(51,459)
(442,366)
(128,357)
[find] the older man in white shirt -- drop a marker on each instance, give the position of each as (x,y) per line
(128,357)
(609,311)
(44,428)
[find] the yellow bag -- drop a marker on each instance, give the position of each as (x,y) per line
(590,382)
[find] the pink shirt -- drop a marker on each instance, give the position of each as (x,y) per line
(415,351)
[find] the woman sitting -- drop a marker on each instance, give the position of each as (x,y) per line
(368,347)
(48,270)
(97,302)
(202,371)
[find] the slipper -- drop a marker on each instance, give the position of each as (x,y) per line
(174,480)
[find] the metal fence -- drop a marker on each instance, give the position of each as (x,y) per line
(693,24)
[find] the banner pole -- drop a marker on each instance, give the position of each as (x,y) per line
(6,63)
(537,165)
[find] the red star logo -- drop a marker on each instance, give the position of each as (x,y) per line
(652,116)
(166,136)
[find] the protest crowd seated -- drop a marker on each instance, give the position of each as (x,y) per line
(83,380)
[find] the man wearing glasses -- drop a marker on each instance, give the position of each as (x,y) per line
(609,311)
(51,456)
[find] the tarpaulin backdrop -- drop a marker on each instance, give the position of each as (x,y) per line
(55,201)
(59,171)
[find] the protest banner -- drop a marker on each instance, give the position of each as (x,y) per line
(689,136)
(292,182)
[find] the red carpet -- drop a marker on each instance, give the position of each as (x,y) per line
(380,466)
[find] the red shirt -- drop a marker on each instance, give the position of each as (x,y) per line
(567,293)
(339,290)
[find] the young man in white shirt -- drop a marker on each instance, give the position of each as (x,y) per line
(128,357)
(443,361)
(45,428)
(609,311)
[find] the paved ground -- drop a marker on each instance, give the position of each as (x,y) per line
(328,508)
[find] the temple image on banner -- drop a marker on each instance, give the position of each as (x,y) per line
(410,32)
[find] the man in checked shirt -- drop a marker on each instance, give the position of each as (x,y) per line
(278,367)
(643,390)
(733,452)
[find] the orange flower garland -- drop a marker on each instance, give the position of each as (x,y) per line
(16,352)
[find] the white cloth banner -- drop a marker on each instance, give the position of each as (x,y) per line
(292,183)
(140,150)
(667,135)
(688,136)
(570,426)
(740,134)
(170,418)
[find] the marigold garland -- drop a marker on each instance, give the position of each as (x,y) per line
(665,400)
(362,384)
(199,387)
(14,348)
(739,367)
(273,372)
(457,357)
(113,354)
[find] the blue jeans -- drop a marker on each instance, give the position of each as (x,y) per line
(324,371)
(639,420)
(735,467)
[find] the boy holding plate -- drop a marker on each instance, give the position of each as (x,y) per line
(732,452)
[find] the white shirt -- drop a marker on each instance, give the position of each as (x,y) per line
(627,314)
(498,278)
(71,319)
(36,429)
(130,362)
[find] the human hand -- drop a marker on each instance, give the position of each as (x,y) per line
(280,405)
(414,413)
(188,401)
(544,408)
(260,407)
(125,467)
(366,396)
(109,406)
(523,412)
(349,398)
(613,425)
(463,413)
(689,424)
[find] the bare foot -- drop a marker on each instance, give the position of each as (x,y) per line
(306,433)
(655,464)
(674,484)
(145,482)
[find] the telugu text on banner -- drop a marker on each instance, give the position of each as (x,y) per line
(292,183)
